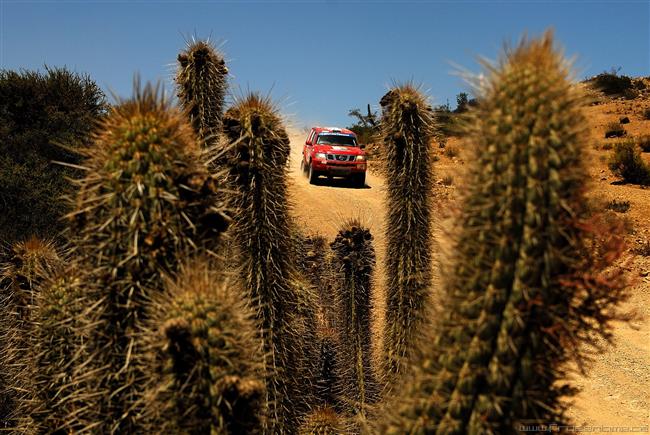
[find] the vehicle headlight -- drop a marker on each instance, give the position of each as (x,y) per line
(321,156)
(361,158)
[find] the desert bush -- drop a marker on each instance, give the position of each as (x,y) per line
(366,125)
(626,163)
(646,113)
(451,152)
(611,83)
(447,180)
(39,112)
(614,129)
(644,143)
(445,120)
(642,249)
(618,206)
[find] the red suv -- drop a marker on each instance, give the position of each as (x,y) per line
(333,152)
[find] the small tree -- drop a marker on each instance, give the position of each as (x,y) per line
(365,127)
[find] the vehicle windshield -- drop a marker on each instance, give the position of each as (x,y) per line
(336,139)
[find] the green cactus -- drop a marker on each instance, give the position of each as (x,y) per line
(328,381)
(355,260)
(202,84)
(30,263)
(146,201)
(284,305)
(534,275)
(315,263)
(55,350)
(407,129)
(323,421)
(206,358)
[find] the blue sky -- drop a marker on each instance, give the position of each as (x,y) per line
(318,59)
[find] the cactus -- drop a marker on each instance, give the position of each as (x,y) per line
(356,259)
(284,306)
(407,129)
(534,274)
(204,351)
(29,264)
(328,382)
(147,200)
(202,84)
(315,263)
(55,350)
(323,421)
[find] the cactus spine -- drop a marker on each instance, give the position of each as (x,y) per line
(356,259)
(205,352)
(323,421)
(146,200)
(284,307)
(202,84)
(56,348)
(30,264)
(407,128)
(527,290)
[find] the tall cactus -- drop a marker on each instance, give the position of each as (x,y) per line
(407,128)
(56,350)
(356,259)
(30,264)
(284,306)
(202,84)
(533,273)
(147,199)
(205,357)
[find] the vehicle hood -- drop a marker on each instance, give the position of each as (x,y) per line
(338,149)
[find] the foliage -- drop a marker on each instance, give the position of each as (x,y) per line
(626,163)
(39,112)
(366,125)
(644,143)
(614,129)
(618,206)
(611,82)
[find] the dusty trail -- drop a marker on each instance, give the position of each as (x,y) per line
(321,209)
(616,391)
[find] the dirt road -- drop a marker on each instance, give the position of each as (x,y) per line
(616,391)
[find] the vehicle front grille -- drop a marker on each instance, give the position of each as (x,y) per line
(341,157)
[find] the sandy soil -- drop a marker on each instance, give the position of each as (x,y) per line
(616,389)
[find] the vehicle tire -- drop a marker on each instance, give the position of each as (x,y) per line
(359,180)
(303,167)
(313,175)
